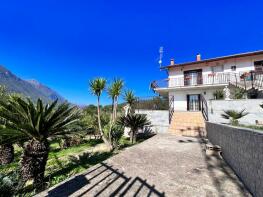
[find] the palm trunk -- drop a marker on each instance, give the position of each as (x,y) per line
(6,154)
(100,128)
(116,108)
(33,162)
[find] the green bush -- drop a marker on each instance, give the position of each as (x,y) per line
(239,93)
(218,94)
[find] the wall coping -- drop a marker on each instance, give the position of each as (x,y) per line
(240,128)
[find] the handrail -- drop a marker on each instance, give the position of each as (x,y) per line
(204,107)
(171,108)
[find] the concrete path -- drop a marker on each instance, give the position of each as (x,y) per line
(165,165)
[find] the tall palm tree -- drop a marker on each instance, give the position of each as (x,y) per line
(234,115)
(114,92)
(134,122)
(130,99)
(37,122)
(97,86)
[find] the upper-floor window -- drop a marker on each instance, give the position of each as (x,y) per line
(258,65)
(219,68)
(233,68)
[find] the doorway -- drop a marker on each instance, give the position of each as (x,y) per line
(193,102)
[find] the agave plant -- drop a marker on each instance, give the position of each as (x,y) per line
(130,99)
(233,115)
(37,122)
(134,122)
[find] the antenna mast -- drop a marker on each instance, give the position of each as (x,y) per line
(161,56)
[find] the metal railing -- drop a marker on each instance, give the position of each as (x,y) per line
(204,107)
(171,109)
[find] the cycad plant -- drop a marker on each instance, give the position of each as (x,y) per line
(234,115)
(134,122)
(37,122)
(114,92)
(7,149)
(97,86)
(130,99)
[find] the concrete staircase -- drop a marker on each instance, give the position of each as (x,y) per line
(187,124)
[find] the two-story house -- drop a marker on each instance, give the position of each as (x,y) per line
(189,85)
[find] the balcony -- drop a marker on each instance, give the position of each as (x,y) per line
(195,80)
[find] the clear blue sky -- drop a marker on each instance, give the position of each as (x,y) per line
(64,44)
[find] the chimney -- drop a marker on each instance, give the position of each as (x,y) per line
(198,57)
(172,62)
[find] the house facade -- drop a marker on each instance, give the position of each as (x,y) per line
(188,85)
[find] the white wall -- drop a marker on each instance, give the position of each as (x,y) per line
(180,96)
(243,64)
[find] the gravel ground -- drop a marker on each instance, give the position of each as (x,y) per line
(165,165)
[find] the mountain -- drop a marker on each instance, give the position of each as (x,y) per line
(29,88)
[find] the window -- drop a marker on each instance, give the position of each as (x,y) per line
(233,68)
(219,68)
(258,65)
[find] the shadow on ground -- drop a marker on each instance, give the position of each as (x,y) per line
(101,181)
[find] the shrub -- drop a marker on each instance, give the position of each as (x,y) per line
(233,116)
(218,94)
(239,93)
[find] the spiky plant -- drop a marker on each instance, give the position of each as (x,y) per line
(234,115)
(130,99)
(7,149)
(97,86)
(114,92)
(134,122)
(37,122)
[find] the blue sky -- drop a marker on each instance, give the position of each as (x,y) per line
(64,44)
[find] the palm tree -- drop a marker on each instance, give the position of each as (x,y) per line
(134,122)
(37,122)
(130,99)
(233,115)
(114,92)
(97,86)
(7,149)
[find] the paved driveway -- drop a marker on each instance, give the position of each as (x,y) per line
(165,165)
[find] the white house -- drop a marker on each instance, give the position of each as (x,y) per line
(188,82)
(189,86)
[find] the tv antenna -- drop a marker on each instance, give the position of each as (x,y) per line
(161,56)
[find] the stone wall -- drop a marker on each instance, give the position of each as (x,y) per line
(217,107)
(242,149)
(158,118)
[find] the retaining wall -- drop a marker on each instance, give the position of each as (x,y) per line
(158,118)
(242,149)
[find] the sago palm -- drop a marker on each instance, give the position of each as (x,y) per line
(114,92)
(37,122)
(234,115)
(97,86)
(7,149)
(134,122)
(130,99)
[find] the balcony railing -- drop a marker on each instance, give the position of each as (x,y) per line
(185,81)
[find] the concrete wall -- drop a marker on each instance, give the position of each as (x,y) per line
(216,108)
(242,149)
(158,118)
(180,96)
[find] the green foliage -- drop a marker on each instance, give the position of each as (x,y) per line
(97,86)
(218,94)
(134,122)
(239,93)
(234,115)
(8,183)
(24,119)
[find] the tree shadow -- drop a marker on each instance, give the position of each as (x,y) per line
(214,162)
(104,180)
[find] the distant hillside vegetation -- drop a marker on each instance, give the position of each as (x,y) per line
(29,88)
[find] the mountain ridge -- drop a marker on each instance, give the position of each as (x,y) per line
(29,88)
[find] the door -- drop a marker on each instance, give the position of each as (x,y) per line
(193,77)
(193,102)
